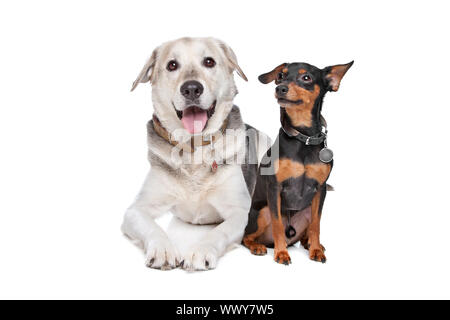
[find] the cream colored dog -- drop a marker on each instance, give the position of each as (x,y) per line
(194,173)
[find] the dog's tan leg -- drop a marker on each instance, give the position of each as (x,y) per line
(281,254)
(316,250)
(262,222)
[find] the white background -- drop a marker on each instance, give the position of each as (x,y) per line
(73,145)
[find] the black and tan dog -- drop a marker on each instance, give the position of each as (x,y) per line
(291,186)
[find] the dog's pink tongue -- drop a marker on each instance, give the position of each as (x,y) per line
(194,119)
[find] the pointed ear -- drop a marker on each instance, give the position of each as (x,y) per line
(272,75)
(147,71)
(232,60)
(334,75)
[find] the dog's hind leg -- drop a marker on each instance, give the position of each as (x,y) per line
(262,221)
(304,241)
(140,226)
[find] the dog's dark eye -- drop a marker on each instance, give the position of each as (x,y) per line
(172,65)
(209,62)
(306,78)
(281,76)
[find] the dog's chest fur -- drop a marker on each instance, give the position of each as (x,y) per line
(193,192)
(192,186)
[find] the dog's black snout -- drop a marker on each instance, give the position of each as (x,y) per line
(281,90)
(191,89)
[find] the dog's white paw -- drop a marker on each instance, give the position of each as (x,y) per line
(161,254)
(200,257)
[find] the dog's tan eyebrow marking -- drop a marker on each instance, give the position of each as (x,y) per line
(285,70)
(301,71)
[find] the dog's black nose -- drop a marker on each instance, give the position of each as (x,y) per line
(191,89)
(281,90)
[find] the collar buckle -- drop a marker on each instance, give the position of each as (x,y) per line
(308,141)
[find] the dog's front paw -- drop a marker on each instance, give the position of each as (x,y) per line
(161,254)
(200,257)
(317,253)
(258,249)
(282,257)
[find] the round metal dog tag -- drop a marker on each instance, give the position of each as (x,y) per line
(326,155)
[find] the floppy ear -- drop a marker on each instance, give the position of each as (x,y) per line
(272,75)
(231,57)
(146,73)
(334,75)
